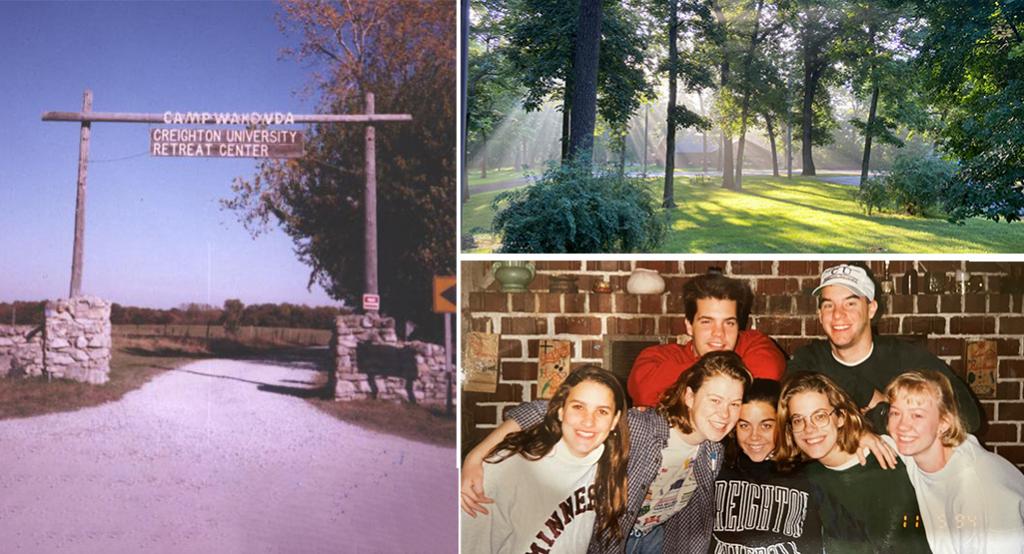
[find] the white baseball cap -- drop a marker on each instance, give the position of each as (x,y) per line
(852,277)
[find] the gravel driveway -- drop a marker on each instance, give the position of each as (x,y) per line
(199,460)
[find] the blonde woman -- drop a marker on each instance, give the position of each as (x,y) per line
(971,499)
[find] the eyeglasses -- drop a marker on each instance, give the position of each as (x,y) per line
(818,418)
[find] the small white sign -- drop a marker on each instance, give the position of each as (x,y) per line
(371,302)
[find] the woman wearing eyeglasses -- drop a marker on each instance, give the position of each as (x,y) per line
(864,508)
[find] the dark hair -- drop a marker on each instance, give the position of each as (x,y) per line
(672,405)
(610,482)
(787,453)
(760,390)
(763,390)
(719,287)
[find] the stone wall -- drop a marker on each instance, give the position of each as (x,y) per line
(430,386)
(77,339)
(21,350)
(783,308)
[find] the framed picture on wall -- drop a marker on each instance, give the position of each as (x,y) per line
(981,361)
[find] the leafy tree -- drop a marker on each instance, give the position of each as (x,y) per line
(403,52)
(877,49)
(541,37)
(973,59)
(756,27)
(232,316)
(493,93)
(685,19)
(818,24)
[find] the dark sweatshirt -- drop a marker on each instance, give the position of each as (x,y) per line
(758,510)
(891,356)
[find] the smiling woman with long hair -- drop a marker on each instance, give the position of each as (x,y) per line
(557,483)
(864,508)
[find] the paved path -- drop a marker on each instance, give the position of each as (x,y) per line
(200,460)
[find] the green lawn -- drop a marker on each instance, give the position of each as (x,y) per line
(494,176)
(798,215)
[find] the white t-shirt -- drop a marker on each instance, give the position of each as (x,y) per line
(672,487)
(973,504)
(548,502)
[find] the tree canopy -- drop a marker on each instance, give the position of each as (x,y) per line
(402,51)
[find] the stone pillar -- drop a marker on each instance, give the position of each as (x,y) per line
(350,330)
(76,342)
(21,351)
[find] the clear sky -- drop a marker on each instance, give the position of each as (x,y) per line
(155,233)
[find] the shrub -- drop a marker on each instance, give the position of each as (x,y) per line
(914,186)
(572,209)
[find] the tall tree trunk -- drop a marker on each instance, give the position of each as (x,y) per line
(812,74)
(865,165)
(463,83)
(869,131)
(771,139)
(566,116)
(807,115)
(703,138)
(744,112)
(789,142)
(727,169)
(668,193)
(622,157)
(525,158)
(483,159)
(647,114)
(584,94)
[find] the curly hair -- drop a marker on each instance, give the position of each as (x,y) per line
(924,382)
(610,482)
(787,453)
(719,287)
(672,405)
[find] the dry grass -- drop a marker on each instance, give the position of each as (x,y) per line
(428,424)
(130,368)
(137,360)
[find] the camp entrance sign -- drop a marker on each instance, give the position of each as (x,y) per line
(255,140)
(225,143)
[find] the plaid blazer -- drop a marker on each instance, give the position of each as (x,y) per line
(686,532)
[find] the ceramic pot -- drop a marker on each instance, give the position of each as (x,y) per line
(645,281)
(514,276)
(562,283)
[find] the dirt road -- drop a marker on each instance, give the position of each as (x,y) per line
(200,460)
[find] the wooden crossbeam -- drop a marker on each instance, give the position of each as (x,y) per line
(84,117)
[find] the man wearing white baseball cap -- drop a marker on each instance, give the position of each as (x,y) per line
(859,362)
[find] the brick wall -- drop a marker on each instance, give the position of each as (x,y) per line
(783,308)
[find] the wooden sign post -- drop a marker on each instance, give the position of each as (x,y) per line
(83,163)
(244,144)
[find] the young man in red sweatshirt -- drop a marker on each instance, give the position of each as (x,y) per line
(716,309)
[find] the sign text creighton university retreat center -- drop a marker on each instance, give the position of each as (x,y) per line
(226,143)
